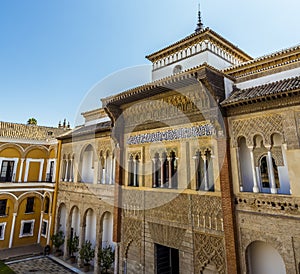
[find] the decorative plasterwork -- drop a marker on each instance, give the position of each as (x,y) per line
(131,232)
(209,249)
(194,101)
(263,125)
(172,134)
(166,235)
(276,154)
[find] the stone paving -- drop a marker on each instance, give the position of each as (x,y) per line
(38,265)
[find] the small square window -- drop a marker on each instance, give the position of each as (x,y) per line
(2,230)
(3,204)
(27,228)
(44,228)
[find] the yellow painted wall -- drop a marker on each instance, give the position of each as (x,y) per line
(37,154)
(52,154)
(10,153)
(33,173)
(8,219)
(27,216)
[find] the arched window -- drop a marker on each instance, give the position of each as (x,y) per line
(264,173)
(173,183)
(265,168)
(204,171)
(133,170)
(87,165)
(47,205)
(164,170)
(210,171)
(199,169)
(156,176)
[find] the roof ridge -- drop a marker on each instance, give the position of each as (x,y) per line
(263,57)
(271,83)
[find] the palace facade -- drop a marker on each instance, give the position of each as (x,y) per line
(207,161)
(28,162)
(195,172)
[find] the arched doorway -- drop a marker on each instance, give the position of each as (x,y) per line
(75,222)
(107,229)
(90,226)
(87,165)
(61,218)
(262,258)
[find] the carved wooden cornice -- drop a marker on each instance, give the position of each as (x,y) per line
(205,34)
(253,68)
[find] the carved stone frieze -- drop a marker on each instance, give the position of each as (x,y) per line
(131,232)
(166,235)
(207,213)
(179,104)
(209,249)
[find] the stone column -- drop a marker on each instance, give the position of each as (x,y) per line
(154,178)
(135,172)
(162,160)
(239,169)
(117,254)
(41,170)
(255,184)
(66,171)
(205,167)
(81,242)
(49,229)
(40,227)
(103,176)
(271,171)
(67,235)
(194,181)
(26,170)
(71,171)
(12,230)
(21,170)
(169,159)
(111,171)
(96,170)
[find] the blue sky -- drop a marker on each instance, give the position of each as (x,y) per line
(53,52)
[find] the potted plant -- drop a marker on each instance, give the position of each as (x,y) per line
(73,247)
(86,253)
(106,257)
(58,240)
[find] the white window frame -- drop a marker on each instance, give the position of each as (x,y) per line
(22,227)
(15,160)
(3,231)
(44,235)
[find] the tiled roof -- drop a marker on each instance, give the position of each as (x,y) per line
(83,130)
(273,89)
(28,132)
(262,58)
(160,85)
(204,31)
